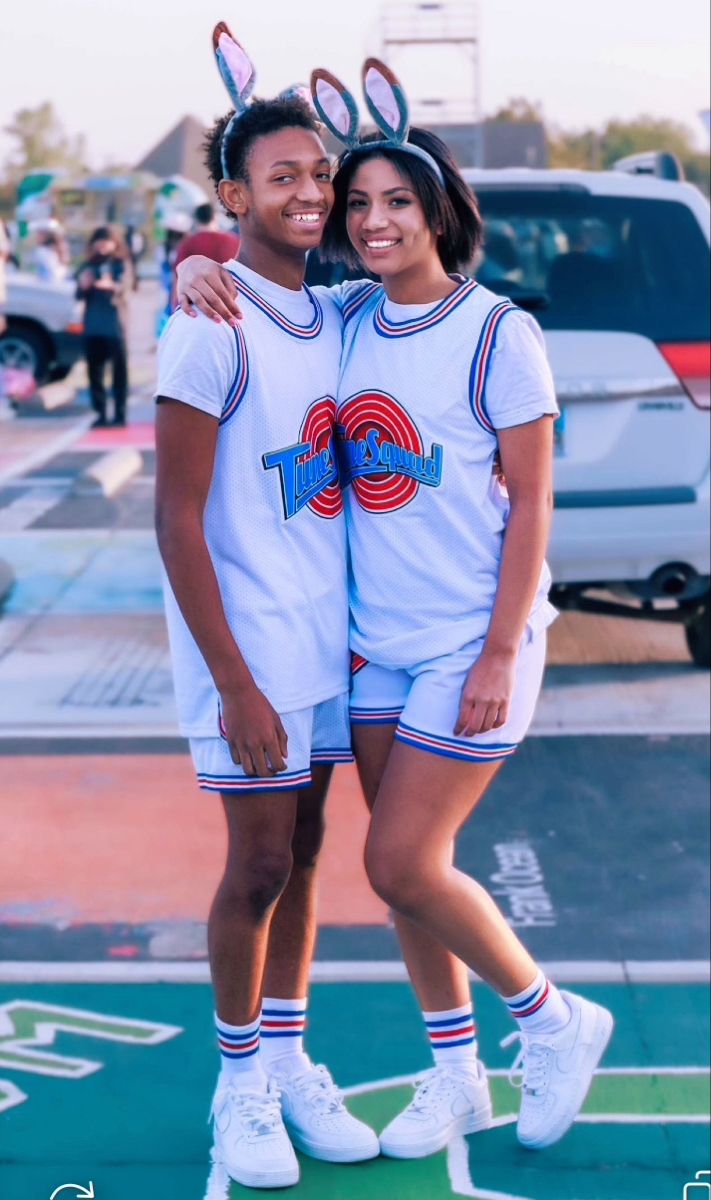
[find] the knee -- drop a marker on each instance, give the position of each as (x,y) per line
(257,884)
(307,841)
(395,877)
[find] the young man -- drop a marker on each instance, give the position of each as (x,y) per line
(251,531)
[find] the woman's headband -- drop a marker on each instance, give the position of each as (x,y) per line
(387,106)
(239,77)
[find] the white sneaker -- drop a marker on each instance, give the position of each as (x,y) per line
(250,1139)
(557,1070)
(319,1122)
(448,1102)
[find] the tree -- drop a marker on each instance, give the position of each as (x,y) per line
(42,142)
(518,109)
(599,149)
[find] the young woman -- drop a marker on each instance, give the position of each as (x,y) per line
(441,380)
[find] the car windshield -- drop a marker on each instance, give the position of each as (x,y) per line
(597,262)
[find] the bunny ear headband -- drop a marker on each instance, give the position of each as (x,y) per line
(387,106)
(239,77)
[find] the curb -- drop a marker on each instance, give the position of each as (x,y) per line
(54,395)
(109,473)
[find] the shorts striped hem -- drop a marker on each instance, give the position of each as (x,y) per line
(332,756)
(284,782)
(375,716)
(451,747)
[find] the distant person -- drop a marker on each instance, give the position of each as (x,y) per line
(207,239)
(49,257)
(4,257)
(176,226)
(102,282)
(136,246)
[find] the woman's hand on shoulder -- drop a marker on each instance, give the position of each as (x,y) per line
(205,285)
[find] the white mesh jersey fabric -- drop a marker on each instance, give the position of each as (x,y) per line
(423,390)
(274,520)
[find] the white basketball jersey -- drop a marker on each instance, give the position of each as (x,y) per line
(423,390)
(274,522)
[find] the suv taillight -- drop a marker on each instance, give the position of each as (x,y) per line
(691,363)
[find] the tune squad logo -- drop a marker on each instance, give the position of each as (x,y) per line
(382,454)
(308,470)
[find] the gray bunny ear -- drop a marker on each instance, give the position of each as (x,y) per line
(235,66)
(297,91)
(386,101)
(335,106)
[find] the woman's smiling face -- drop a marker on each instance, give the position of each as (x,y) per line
(385,219)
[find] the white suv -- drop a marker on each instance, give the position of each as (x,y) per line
(44,327)
(615,267)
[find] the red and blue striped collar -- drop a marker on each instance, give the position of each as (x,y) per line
(393,329)
(312,330)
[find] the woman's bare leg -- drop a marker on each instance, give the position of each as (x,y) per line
(439,978)
(421,804)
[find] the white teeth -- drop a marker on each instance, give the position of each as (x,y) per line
(381,245)
(307,218)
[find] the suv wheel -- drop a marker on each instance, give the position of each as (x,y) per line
(698,635)
(24,349)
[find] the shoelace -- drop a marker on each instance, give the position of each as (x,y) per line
(529,1069)
(260,1112)
(428,1088)
(318,1089)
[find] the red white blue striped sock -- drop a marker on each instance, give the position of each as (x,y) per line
(283,1024)
(239,1045)
(539,1008)
(452,1035)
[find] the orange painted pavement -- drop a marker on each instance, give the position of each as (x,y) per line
(131,838)
(141,435)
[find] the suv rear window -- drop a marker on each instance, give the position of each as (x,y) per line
(580,261)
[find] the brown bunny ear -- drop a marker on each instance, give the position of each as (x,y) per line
(235,66)
(335,106)
(386,101)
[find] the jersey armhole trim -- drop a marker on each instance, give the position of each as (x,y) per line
(240,381)
(482,361)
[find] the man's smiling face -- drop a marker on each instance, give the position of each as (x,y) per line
(288,195)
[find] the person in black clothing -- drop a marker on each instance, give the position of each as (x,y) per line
(102,283)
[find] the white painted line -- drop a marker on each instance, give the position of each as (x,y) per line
(683,972)
(27,508)
(48,449)
(460,1177)
(393,1081)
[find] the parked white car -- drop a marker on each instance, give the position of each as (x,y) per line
(44,327)
(615,267)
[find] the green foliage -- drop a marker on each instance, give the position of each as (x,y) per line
(41,142)
(518,109)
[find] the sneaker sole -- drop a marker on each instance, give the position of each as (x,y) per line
(474,1123)
(603,1032)
(334,1154)
(263,1179)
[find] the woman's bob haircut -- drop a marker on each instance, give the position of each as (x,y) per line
(451,212)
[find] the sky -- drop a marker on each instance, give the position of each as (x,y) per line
(123,72)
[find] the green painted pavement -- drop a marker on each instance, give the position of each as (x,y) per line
(137,1126)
